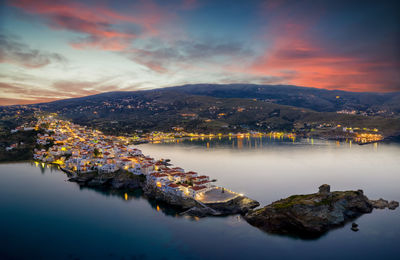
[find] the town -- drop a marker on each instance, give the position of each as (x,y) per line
(79,150)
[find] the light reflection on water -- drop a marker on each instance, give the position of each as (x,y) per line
(268,169)
(53,219)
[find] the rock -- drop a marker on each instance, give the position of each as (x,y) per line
(379,204)
(82,179)
(393,205)
(115,180)
(382,204)
(182,202)
(97,182)
(239,205)
(324,189)
(310,215)
(125,183)
(354,225)
(355,229)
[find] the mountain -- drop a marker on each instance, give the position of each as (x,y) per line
(228,108)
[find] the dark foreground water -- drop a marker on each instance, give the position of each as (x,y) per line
(42,216)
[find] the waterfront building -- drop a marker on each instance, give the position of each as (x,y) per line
(196,190)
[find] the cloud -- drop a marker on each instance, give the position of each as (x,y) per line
(100,25)
(25,93)
(310,65)
(19,101)
(299,54)
(12,50)
(187,54)
(15,93)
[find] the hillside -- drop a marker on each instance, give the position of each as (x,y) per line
(197,109)
(321,100)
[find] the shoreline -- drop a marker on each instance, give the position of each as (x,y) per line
(386,140)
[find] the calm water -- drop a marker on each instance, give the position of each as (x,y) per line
(44,216)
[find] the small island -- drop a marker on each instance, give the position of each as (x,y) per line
(312,215)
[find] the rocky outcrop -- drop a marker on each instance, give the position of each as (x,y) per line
(183,202)
(116,180)
(382,204)
(238,205)
(126,180)
(312,214)
(83,179)
(393,205)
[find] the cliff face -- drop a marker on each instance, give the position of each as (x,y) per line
(116,180)
(152,192)
(311,214)
(125,180)
(239,205)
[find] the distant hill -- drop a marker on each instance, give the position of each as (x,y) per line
(227,108)
(316,99)
(321,100)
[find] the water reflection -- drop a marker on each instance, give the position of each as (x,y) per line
(267,168)
(36,210)
(255,142)
(166,209)
(44,166)
(124,194)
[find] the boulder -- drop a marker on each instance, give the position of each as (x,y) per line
(393,205)
(355,229)
(379,204)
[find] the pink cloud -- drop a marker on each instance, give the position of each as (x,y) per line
(296,56)
(98,23)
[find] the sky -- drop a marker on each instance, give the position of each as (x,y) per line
(55,49)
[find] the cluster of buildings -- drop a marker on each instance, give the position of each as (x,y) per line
(179,182)
(82,150)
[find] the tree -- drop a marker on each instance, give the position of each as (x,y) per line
(96,152)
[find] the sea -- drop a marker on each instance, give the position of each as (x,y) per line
(43,216)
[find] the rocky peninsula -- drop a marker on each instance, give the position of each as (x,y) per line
(121,180)
(312,215)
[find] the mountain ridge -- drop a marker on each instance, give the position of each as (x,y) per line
(227,108)
(321,100)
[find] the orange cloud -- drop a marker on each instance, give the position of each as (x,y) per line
(297,57)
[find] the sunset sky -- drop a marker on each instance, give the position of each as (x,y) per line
(52,49)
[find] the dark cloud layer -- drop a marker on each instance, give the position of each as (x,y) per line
(183,53)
